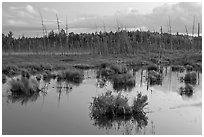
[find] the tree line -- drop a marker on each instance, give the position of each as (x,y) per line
(123,41)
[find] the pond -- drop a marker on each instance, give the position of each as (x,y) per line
(64,108)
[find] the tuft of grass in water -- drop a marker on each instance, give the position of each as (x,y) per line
(122,81)
(24,86)
(108,109)
(38,77)
(3,78)
(187,90)
(190,78)
(47,76)
(177,68)
(10,70)
(152,67)
(189,67)
(111,69)
(83,66)
(34,68)
(154,78)
(25,73)
(72,75)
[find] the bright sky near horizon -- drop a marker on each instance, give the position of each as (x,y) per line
(23,18)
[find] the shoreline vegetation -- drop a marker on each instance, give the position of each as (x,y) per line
(16,64)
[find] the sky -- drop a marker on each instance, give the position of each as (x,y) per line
(23,18)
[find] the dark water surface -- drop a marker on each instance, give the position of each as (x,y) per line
(66,110)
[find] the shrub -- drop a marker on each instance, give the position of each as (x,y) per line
(190,78)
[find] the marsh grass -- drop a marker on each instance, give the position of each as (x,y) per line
(177,68)
(73,76)
(3,78)
(47,76)
(154,78)
(10,70)
(24,86)
(108,109)
(83,66)
(123,81)
(190,78)
(118,75)
(187,90)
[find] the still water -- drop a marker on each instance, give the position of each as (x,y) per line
(64,108)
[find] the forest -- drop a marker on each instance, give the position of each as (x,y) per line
(101,43)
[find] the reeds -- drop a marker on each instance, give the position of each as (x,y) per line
(108,108)
(24,86)
(187,90)
(154,78)
(10,70)
(177,68)
(190,78)
(3,78)
(72,75)
(123,81)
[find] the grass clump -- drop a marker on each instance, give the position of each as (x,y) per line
(108,109)
(24,86)
(47,76)
(10,70)
(154,78)
(3,78)
(106,69)
(83,66)
(152,67)
(190,78)
(112,106)
(123,81)
(72,75)
(177,68)
(187,90)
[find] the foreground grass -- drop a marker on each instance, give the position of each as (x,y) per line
(108,109)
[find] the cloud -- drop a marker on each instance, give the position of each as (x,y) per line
(31,10)
(50,10)
(16,22)
(180,14)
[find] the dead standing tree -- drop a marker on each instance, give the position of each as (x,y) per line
(58,27)
(43,29)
